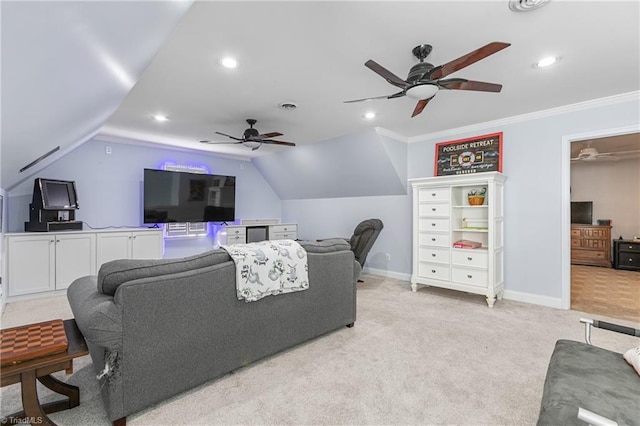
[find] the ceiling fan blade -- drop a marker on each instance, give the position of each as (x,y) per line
(229,136)
(462,84)
(269,135)
(219,142)
(385,73)
(271,141)
(420,106)
(395,95)
(466,60)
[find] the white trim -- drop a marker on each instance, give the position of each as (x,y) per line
(173,145)
(535,299)
(381,131)
(610,100)
(385,273)
(565,180)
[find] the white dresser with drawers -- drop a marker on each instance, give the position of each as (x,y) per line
(442,217)
(241,234)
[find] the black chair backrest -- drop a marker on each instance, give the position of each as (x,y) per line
(363,238)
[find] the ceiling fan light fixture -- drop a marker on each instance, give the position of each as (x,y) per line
(422,91)
(252,144)
(369,115)
(161,118)
(526,5)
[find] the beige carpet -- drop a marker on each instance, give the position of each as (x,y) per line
(431,357)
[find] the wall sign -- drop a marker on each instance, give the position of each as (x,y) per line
(472,155)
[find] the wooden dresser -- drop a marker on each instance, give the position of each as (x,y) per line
(591,245)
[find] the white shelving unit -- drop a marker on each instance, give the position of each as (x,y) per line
(442,216)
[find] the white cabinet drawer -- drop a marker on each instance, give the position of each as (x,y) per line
(283,235)
(282,228)
(470,258)
(477,277)
(441,225)
(433,271)
(433,194)
(429,239)
(432,254)
(232,230)
(236,239)
(433,209)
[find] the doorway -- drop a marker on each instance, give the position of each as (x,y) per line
(590,288)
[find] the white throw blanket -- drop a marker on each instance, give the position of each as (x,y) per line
(269,267)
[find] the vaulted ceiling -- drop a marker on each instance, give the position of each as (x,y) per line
(71,70)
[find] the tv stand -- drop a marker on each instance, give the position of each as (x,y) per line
(42,220)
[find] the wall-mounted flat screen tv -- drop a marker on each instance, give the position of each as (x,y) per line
(582,212)
(171,196)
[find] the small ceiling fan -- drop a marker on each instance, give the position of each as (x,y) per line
(591,154)
(424,79)
(252,138)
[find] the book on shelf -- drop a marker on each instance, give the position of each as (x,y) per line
(467,244)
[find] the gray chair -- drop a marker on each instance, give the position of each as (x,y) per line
(363,238)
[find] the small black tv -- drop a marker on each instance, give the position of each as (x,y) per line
(53,194)
(582,212)
(172,196)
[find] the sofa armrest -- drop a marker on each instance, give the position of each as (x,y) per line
(588,323)
(98,317)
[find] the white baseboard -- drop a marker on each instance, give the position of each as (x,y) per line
(386,273)
(517,296)
(535,299)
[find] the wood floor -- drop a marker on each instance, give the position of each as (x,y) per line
(606,291)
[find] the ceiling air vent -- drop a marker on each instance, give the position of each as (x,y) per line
(288,105)
(526,5)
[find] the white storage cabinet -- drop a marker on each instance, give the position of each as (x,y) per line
(47,262)
(142,244)
(442,215)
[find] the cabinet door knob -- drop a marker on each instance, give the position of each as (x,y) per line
(433,271)
(51,241)
(433,255)
(433,224)
(433,239)
(469,276)
(469,259)
(433,194)
(433,209)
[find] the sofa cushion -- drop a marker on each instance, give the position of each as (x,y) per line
(596,379)
(116,272)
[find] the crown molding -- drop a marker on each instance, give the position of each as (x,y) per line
(580,106)
(111,135)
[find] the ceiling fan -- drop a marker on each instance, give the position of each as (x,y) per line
(424,79)
(592,154)
(252,138)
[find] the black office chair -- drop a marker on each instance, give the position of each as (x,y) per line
(363,238)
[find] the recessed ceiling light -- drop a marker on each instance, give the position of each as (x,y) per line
(370,115)
(229,62)
(545,62)
(160,118)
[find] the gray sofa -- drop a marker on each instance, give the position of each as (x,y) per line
(156,328)
(586,384)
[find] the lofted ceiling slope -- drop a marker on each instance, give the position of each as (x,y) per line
(66,67)
(361,164)
(71,70)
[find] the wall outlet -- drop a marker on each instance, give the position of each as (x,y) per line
(107,150)
(388,257)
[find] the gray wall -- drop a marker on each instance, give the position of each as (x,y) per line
(110,187)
